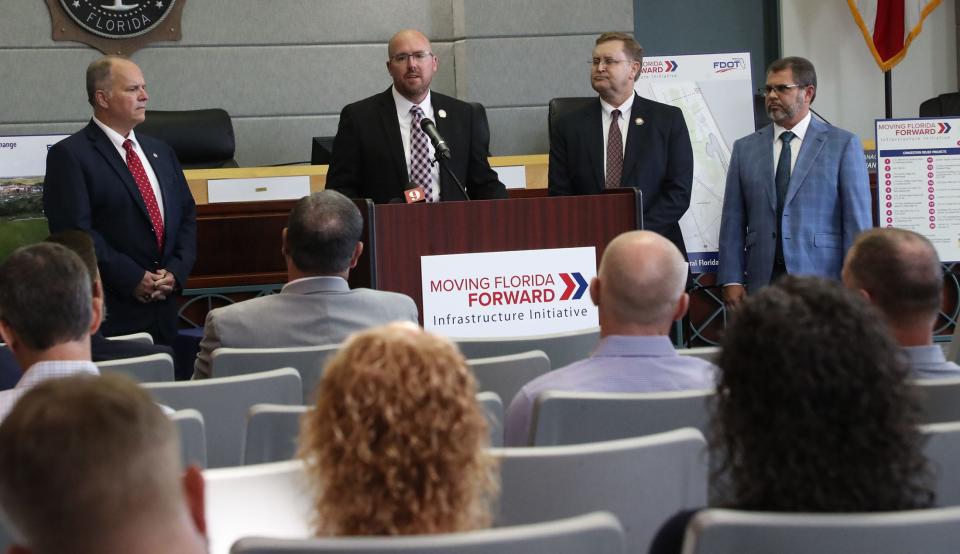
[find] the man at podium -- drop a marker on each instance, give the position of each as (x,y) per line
(381,147)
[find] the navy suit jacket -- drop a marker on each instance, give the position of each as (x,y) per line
(368,159)
(88,187)
(657,159)
(827,204)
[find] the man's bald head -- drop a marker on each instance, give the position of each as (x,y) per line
(641,281)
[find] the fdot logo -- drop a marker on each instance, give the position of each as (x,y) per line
(722,66)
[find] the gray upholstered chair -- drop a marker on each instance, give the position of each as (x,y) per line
(939,399)
(309,361)
(942,449)
(506,375)
(193,438)
(562,348)
(155,368)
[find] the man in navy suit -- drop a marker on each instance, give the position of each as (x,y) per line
(129,193)
(653,153)
(380,147)
(797,191)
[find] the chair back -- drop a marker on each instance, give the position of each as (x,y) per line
(144,337)
(559,107)
(943,105)
(566,417)
(224,403)
(642,481)
(193,439)
(595,533)
(942,449)
(155,368)
(939,399)
(705,353)
(562,348)
(309,361)
(272,500)
(201,139)
(493,409)
(272,433)
(506,375)
(934,531)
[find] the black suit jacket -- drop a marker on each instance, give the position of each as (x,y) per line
(658,160)
(368,159)
(88,187)
(103,349)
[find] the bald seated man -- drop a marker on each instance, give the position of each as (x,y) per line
(639,292)
(91,465)
(899,272)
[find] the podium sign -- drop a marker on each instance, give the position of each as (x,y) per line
(509,294)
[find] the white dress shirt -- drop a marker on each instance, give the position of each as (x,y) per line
(625,109)
(117,140)
(800,129)
(405,118)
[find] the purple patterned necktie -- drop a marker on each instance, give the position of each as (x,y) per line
(420,154)
(614,152)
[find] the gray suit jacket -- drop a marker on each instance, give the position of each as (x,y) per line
(308,312)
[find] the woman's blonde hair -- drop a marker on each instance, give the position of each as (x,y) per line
(396,444)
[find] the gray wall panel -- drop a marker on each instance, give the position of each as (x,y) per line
(516,131)
(266,141)
(502,18)
(44,85)
(523,71)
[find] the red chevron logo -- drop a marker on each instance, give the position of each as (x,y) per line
(944,127)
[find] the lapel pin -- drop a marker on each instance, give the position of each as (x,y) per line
(155,155)
(442,114)
(638,121)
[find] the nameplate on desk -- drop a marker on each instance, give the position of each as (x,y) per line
(512,176)
(258,189)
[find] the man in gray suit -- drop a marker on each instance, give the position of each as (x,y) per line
(321,243)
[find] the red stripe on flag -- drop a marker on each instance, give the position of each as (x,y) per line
(888,29)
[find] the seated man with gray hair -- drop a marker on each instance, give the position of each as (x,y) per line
(321,244)
(90,465)
(47,313)
(639,292)
(899,272)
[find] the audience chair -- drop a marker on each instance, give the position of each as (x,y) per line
(946,104)
(705,353)
(307,360)
(562,348)
(493,409)
(566,417)
(273,500)
(145,338)
(193,440)
(595,533)
(224,403)
(201,139)
(559,107)
(506,375)
(939,399)
(642,481)
(942,449)
(934,531)
(273,429)
(155,368)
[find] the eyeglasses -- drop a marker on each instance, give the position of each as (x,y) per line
(403,57)
(595,62)
(779,88)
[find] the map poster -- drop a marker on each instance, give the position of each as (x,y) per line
(716,96)
(918,179)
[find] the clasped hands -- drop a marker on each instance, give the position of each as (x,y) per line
(154,286)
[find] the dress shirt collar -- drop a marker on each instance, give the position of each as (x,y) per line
(635,346)
(116,138)
(800,129)
(625,108)
(930,354)
(404,105)
(43,371)
(319,283)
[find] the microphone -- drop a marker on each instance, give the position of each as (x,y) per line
(413,193)
(440,145)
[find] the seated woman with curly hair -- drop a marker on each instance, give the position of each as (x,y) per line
(396,444)
(814,411)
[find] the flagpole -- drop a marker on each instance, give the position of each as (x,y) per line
(888,92)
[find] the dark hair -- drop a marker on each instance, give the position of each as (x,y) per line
(814,412)
(46,296)
(631,47)
(80,243)
(900,271)
(322,232)
(803,72)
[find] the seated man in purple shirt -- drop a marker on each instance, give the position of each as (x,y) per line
(639,291)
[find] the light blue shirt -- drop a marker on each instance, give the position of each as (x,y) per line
(928,362)
(619,364)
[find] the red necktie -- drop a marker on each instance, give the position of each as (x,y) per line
(614,152)
(143,183)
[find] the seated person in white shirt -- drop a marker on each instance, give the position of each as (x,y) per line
(899,272)
(639,291)
(47,313)
(321,244)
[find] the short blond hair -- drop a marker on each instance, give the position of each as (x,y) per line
(396,444)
